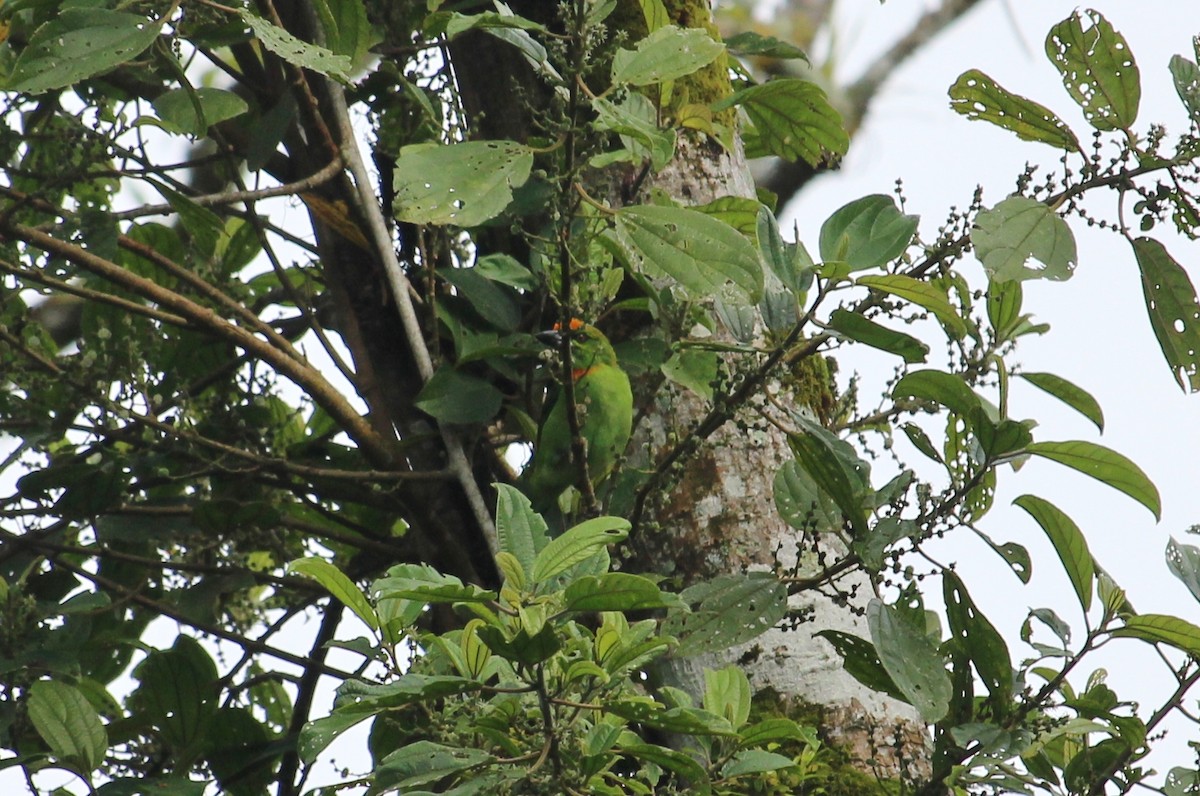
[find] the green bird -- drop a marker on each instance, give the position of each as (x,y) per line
(603,406)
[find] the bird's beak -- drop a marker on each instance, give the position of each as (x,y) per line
(551,337)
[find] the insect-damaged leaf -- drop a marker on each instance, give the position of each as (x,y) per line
(977,96)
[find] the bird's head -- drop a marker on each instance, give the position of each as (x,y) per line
(589,347)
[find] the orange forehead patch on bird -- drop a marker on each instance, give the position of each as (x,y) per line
(574,325)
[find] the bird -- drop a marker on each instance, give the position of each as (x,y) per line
(603,407)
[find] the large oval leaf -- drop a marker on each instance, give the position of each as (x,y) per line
(792,120)
(922,294)
(464,184)
(1019,230)
(1069,393)
(1097,69)
(911,660)
(866,233)
(1158,628)
(705,256)
(78,43)
(1104,465)
(666,54)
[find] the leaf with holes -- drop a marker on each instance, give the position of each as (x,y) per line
(1173,309)
(78,43)
(912,661)
(297,51)
(1097,69)
(981,641)
(705,256)
(464,184)
(1104,465)
(1069,542)
(727,610)
(793,120)
(977,96)
(1019,230)
(861,661)
(1186,75)
(1184,562)
(666,54)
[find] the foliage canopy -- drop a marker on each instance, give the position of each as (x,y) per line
(250,380)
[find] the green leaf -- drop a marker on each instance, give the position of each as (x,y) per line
(464,184)
(922,294)
(727,693)
(578,544)
(1097,69)
(423,583)
(425,762)
(789,262)
(297,52)
(615,591)
(802,504)
(1184,562)
(912,660)
(861,661)
(666,54)
(1173,309)
(773,730)
(346,28)
(495,304)
(981,641)
(977,96)
(750,43)
(679,763)
(830,473)
(1069,542)
(693,369)
(1104,465)
(866,331)
(691,721)
(454,397)
(177,694)
(706,257)
(177,108)
(943,388)
(917,436)
(636,119)
(737,211)
(866,233)
(1071,394)
(340,586)
(78,43)
(1004,301)
(520,530)
(755,761)
(1017,230)
(1158,628)
(792,119)
(726,611)
(68,724)
(1186,75)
